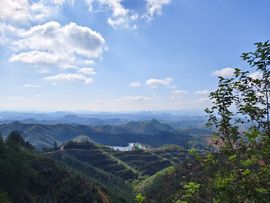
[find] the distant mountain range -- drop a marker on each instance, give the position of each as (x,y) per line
(94,118)
(153,133)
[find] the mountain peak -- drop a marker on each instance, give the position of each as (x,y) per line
(154,121)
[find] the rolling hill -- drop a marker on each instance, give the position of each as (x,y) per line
(28,177)
(81,170)
(151,132)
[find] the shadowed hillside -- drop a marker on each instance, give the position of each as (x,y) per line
(152,133)
(29,177)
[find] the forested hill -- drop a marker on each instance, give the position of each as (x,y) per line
(153,133)
(29,177)
(79,171)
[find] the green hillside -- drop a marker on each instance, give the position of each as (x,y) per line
(115,187)
(29,177)
(149,162)
(116,171)
(167,185)
(110,175)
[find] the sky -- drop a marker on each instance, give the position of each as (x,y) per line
(123,55)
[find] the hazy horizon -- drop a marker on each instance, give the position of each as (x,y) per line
(113,113)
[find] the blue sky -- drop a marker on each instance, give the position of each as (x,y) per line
(113,55)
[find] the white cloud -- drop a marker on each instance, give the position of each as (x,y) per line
(14,10)
(154,83)
(24,11)
(225,72)
(135,84)
(202,92)
(123,17)
(179,92)
(31,85)
(69,40)
(117,8)
(41,58)
(89,3)
(118,22)
(51,45)
(154,7)
(28,11)
(132,98)
(61,2)
(69,77)
(87,71)
(120,17)
(256,75)
(88,62)
(8,33)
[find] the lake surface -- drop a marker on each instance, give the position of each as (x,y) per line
(130,147)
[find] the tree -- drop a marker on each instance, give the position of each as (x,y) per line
(139,198)
(2,144)
(15,139)
(55,146)
(260,59)
(14,168)
(239,117)
(29,146)
(4,198)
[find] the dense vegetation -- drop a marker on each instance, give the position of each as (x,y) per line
(29,177)
(79,171)
(240,100)
(239,169)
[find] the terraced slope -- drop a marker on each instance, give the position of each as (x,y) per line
(151,161)
(126,165)
(93,155)
(118,190)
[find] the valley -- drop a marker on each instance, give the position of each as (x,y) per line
(134,101)
(116,160)
(152,133)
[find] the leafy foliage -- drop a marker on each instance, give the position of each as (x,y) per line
(242,100)
(139,198)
